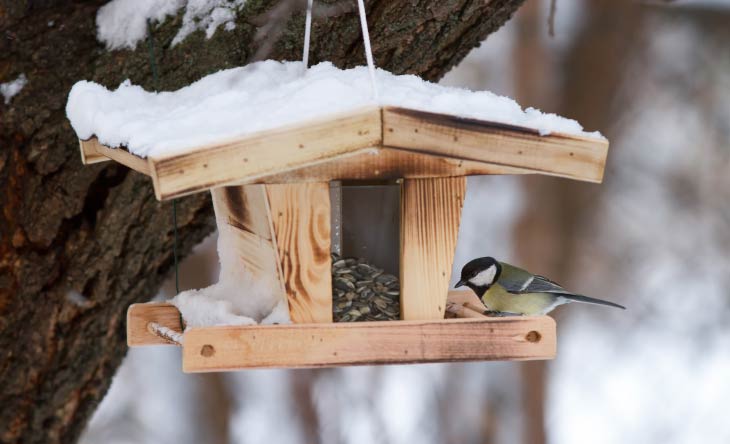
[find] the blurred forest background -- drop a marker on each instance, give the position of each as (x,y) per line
(654,78)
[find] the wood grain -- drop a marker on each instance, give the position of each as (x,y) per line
(464,304)
(366,144)
(168,315)
(575,157)
(245,228)
(300,215)
(89,155)
(264,153)
(245,207)
(249,252)
(93,152)
(367,343)
(139,315)
(387,163)
(430,217)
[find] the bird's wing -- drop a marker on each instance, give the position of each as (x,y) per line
(541,284)
(517,280)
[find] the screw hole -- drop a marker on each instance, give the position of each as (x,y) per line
(533,336)
(207,351)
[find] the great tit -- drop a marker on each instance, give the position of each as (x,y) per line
(509,290)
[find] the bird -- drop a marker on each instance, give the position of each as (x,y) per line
(507,290)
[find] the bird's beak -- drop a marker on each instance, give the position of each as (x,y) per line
(459,284)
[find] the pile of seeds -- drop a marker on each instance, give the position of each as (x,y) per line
(362,292)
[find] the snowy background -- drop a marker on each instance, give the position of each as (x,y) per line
(655,237)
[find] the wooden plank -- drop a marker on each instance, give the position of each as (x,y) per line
(463,297)
(140,315)
(462,311)
(246,230)
(464,304)
(89,155)
(406,143)
(245,207)
(301,219)
(248,251)
(387,164)
(93,152)
(430,217)
(367,343)
(264,153)
(580,158)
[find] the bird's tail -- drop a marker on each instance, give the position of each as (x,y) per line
(581,298)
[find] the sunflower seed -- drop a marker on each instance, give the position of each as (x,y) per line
(363,292)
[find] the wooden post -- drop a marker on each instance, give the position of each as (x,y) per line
(430,216)
(300,214)
(242,216)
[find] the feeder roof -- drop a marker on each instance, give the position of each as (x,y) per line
(374,143)
(273,122)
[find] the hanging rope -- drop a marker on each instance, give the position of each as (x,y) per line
(368,49)
(307,34)
(365,39)
(156,81)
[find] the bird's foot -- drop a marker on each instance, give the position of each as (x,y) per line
(500,314)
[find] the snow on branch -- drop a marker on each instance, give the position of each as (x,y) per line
(123,23)
(12,88)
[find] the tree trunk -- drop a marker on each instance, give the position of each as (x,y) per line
(79,244)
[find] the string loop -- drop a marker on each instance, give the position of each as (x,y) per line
(307,34)
(365,39)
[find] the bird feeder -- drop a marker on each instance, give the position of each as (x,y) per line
(271,191)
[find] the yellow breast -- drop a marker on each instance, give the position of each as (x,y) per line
(499,299)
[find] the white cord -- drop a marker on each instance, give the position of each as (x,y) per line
(368,50)
(365,39)
(307,34)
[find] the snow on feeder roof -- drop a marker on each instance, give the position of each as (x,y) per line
(273,122)
(239,102)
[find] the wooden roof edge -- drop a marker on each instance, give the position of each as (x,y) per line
(574,157)
(490,125)
(266,153)
(320,123)
(275,153)
(93,151)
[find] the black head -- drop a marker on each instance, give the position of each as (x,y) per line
(479,274)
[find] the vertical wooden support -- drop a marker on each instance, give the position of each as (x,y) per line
(430,216)
(301,221)
(245,235)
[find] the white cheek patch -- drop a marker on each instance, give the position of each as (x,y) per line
(485,277)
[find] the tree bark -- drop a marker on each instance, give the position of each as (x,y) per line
(79,244)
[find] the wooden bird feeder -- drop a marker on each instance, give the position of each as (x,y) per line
(271,190)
